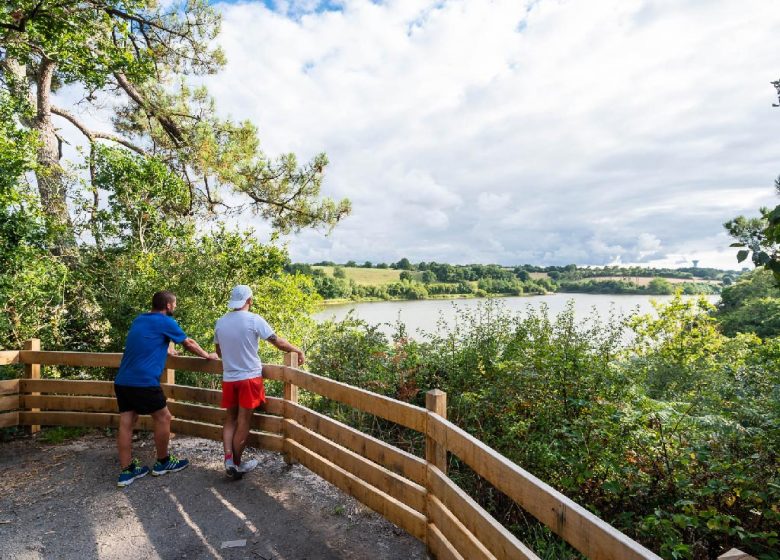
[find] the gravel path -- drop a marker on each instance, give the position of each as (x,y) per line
(61,501)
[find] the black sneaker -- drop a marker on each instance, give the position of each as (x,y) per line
(232,471)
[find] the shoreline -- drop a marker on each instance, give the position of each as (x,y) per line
(454,297)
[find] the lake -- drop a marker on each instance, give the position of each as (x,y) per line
(424,314)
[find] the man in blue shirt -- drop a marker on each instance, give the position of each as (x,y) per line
(137,385)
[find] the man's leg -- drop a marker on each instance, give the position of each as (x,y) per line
(162,431)
(229,430)
(124,437)
(166,463)
(243,423)
(130,469)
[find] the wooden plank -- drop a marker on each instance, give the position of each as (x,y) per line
(8,419)
(84,359)
(9,387)
(169,375)
(193,394)
(8,357)
(67,387)
(106,388)
(10,402)
(455,532)
(212,415)
(411,521)
(273,405)
(71,403)
(390,409)
(291,396)
(405,491)
(396,460)
(736,554)
(33,371)
(440,547)
(191,363)
(200,395)
(112,360)
(435,453)
(80,419)
(496,538)
(592,536)
(102,419)
(273,372)
(262,440)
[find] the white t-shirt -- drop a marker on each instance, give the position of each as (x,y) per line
(237,333)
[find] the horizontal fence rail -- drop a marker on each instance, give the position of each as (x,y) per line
(414,493)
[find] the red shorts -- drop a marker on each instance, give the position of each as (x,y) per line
(247,393)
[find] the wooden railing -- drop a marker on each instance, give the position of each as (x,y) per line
(414,493)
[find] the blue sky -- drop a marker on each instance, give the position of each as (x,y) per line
(547,132)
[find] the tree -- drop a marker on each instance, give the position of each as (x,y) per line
(136,54)
(660,286)
(752,304)
(759,238)
(141,209)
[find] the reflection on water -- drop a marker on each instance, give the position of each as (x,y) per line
(424,315)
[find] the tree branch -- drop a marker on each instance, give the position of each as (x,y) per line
(170,127)
(92,135)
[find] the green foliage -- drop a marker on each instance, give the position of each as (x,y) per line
(148,206)
(31,280)
(660,286)
(200,270)
(59,434)
(751,305)
(672,436)
(676,351)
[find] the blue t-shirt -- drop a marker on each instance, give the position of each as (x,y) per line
(146,350)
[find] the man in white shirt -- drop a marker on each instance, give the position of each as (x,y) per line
(236,335)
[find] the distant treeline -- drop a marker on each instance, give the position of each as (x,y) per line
(432,279)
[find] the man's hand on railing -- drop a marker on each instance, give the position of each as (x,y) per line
(213,356)
(285,346)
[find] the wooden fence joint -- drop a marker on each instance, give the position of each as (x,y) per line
(290,396)
(33,371)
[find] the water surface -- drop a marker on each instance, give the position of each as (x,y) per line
(423,315)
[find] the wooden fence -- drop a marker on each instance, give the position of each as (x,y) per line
(414,493)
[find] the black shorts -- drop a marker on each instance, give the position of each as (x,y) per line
(143,400)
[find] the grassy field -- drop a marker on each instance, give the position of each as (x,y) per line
(645,281)
(638,280)
(367,276)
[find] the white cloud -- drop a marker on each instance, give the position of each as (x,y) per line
(551,131)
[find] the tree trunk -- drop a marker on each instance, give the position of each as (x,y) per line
(50,175)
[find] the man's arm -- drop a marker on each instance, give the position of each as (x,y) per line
(192,346)
(285,346)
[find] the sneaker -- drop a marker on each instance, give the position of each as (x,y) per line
(247,466)
(135,470)
(172,465)
(232,471)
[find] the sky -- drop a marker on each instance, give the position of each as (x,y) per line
(488,131)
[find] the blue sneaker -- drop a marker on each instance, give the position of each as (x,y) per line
(135,470)
(171,465)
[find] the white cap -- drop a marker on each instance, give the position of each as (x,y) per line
(238,296)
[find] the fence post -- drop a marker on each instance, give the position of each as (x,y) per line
(436,453)
(33,371)
(735,554)
(169,375)
(290,395)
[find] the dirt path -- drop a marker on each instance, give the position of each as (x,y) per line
(61,501)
